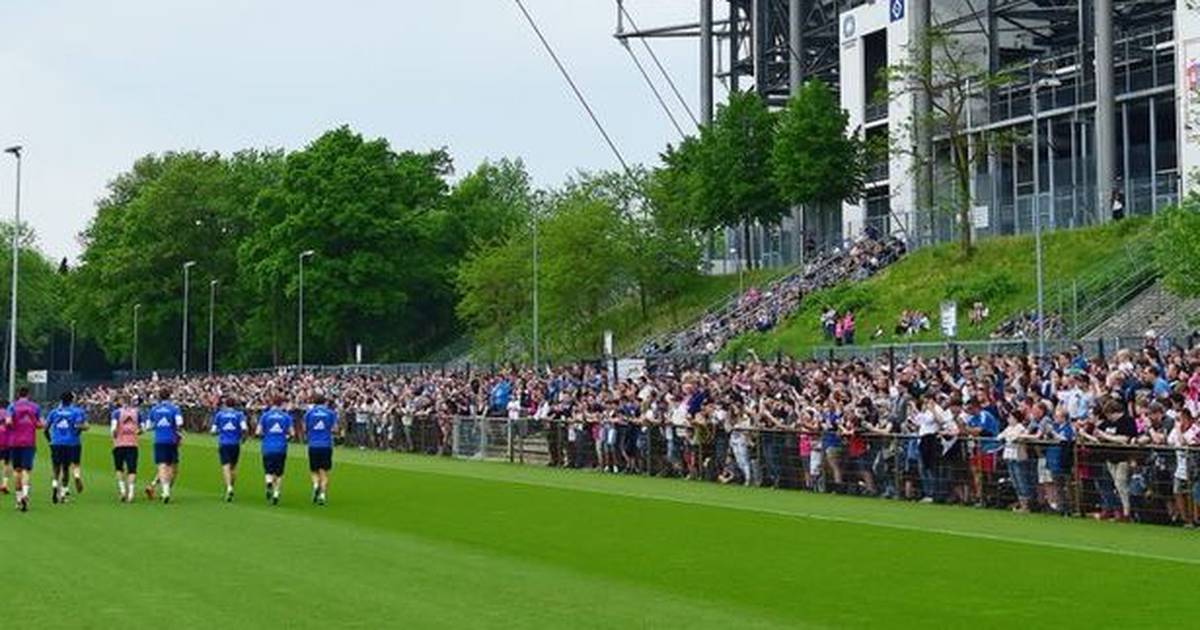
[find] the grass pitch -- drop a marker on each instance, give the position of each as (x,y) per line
(413,541)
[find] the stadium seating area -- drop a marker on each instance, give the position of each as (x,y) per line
(762,310)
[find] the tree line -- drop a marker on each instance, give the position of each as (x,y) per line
(408,255)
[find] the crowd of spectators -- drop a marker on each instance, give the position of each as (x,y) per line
(912,322)
(1110,437)
(763,310)
(1024,325)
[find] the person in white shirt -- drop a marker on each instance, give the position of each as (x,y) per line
(1184,436)
(1016,456)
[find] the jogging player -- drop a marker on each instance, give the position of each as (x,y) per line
(65,422)
(229,425)
(5,465)
(319,424)
(165,420)
(125,428)
(275,427)
(24,420)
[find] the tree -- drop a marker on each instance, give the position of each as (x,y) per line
(167,210)
(733,168)
(816,160)
(370,214)
(947,70)
(40,296)
(1176,247)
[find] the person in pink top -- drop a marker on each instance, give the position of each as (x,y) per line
(5,466)
(24,419)
(125,427)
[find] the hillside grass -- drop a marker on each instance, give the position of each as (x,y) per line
(1001,273)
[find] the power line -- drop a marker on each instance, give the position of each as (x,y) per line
(658,63)
(574,88)
(653,88)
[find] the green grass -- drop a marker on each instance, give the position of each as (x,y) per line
(1000,273)
(413,541)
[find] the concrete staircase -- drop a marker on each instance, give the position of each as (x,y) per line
(1155,308)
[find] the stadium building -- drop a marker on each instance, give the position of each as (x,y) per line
(1107,76)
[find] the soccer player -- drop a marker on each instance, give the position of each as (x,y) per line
(165,420)
(24,419)
(275,427)
(319,424)
(5,465)
(125,428)
(65,422)
(229,425)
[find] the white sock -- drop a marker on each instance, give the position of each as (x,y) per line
(25,490)
(121,487)
(54,483)
(166,489)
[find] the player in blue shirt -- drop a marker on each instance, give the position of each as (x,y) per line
(64,423)
(275,428)
(164,421)
(229,425)
(319,424)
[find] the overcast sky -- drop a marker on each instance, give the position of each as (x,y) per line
(88,86)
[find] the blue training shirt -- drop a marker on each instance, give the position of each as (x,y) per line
(65,423)
(228,424)
(274,424)
(165,420)
(319,423)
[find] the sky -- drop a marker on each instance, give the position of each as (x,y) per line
(89,86)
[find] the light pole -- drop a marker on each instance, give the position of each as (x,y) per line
(1037,206)
(71,358)
(136,310)
(212,309)
(187,266)
(737,255)
(300,320)
(535,291)
(15,151)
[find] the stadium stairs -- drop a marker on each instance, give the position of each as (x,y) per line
(1155,309)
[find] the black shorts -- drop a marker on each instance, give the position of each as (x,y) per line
(166,453)
(320,458)
(4,454)
(125,459)
(21,457)
(229,454)
(65,454)
(273,463)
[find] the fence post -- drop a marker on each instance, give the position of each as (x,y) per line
(1075,308)
(892,362)
(1100,348)
(1076,482)
(954,355)
(509,430)
(1025,347)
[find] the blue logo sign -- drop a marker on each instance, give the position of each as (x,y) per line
(897,10)
(848,27)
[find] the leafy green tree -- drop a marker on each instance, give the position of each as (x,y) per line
(1176,247)
(169,209)
(40,291)
(733,167)
(370,214)
(817,160)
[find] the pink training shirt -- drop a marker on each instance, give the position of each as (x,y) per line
(22,432)
(125,427)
